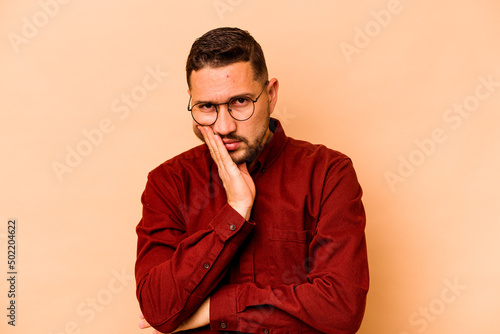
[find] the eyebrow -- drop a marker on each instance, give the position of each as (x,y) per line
(212,102)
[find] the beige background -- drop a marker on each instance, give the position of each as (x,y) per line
(377,80)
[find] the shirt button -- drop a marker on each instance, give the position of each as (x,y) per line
(206,265)
(232,227)
(223,325)
(266,331)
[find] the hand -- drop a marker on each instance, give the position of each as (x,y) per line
(239,186)
(143,324)
(199,318)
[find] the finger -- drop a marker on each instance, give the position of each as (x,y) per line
(226,165)
(204,133)
(218,146)
(214,142)
(221,149)
(208,140)
(211,141)
(224,157)
(144,324)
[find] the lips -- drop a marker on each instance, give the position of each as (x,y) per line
(231,145)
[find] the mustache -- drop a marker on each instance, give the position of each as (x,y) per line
(233,136)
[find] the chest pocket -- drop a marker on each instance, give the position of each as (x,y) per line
(288,256)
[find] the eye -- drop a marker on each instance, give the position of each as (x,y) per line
(206,107)
(240,101)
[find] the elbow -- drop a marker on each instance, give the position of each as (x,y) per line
(350,316)
(354,320)
(157,313)
(347,323)
(343,314)
(162,326)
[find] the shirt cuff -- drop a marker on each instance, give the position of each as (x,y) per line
(230,225)
(223,309)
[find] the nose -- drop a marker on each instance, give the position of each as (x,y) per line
(225,123)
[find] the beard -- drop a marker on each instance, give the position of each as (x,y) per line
(248,150)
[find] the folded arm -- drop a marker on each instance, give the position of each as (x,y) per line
(331,296)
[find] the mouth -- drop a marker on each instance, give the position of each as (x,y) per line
(231,145)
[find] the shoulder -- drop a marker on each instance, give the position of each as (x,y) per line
(195,160)
(315,153)
(331,170)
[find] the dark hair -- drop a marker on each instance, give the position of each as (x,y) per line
(225,46)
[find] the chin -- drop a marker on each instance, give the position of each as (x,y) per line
(237,158)
(246,156)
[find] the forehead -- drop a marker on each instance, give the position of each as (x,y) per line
(221,82)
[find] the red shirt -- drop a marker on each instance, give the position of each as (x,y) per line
(298,266)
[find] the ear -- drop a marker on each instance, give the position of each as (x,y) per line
(189,92)
(272,92)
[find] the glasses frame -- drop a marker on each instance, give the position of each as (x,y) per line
(228,109)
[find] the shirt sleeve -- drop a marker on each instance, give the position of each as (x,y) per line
(175,272)
(332,298)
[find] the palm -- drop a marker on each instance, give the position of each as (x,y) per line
(239,186)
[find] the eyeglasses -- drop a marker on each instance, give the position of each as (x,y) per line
(241,108)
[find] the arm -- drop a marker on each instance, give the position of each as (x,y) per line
(198,319)
(176,273)
(331,299)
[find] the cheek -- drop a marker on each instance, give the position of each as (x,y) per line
(197,132)
(262,120)
(252,131)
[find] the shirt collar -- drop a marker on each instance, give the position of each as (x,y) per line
(273,148)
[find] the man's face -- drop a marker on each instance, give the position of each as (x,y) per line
(242,139)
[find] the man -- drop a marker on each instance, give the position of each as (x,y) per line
(252,231)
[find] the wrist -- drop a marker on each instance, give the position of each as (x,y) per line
(244,212)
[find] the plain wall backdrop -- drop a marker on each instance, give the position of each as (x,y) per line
(93,96)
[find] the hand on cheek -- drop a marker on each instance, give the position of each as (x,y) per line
(239,186)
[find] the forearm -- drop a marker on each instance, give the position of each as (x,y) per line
(327,292)
(170,290)
(327,305)
(200,318)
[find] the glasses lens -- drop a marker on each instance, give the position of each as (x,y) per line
(204,113)
(241,108)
